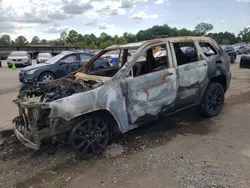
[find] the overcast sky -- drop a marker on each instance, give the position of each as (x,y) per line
(47,18)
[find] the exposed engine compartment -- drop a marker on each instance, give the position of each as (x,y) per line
(34,123)
(57,89)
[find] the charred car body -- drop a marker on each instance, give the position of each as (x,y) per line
(90,108)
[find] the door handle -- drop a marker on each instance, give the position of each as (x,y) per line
(170,73)
(205,64)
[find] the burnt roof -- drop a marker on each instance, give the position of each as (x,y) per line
(148,42)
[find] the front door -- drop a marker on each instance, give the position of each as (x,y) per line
(152,93)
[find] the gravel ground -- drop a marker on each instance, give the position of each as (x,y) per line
(181,151)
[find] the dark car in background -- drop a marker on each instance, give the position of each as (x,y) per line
(43,57)
(59,66)
(231,53)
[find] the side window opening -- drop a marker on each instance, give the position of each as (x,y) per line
(70,59)
(185,53)
(85,57)
(207,49)
(152,60)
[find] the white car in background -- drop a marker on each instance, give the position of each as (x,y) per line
(19,58)
(43,57)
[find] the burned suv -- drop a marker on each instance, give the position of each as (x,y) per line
(89,108)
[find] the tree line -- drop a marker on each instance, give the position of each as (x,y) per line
(73,38)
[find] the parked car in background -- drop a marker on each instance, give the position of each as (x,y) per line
(242,50)
(19,58)
(188,50)
(58,66)
(230,52)
(42,57)
(247,49)
(236,49)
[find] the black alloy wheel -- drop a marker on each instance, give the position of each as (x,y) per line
(90,137)
(213,100)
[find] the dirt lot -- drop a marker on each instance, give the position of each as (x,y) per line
(181,151)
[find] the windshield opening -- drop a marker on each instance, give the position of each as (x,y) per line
(18,53)
(110,62)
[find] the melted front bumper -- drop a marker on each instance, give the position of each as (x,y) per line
(33,125)
(26,126)
(25,141)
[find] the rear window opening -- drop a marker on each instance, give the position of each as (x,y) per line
(185,53)
(208,49)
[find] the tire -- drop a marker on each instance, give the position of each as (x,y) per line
(213,100)
(9,66)
(46,77)
(90,137)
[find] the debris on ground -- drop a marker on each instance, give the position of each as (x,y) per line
(114,150)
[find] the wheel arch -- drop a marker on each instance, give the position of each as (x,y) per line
(107,115)
(221,79)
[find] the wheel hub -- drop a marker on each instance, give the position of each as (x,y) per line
(90,137)
(214,99)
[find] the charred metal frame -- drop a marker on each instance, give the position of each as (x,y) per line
(130,100)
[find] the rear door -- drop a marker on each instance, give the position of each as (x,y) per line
(186,64)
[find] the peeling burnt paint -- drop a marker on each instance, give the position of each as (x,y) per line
(147,93)
(130,100)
